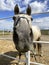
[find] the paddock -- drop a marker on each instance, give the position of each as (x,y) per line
(8,49)
(8,53)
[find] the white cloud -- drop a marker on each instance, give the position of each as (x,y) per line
(42,22)
(47,10)
(44,19)
(6,25)
(26,2)
(38,6)
(7,5)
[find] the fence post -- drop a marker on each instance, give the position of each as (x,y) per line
(28,58)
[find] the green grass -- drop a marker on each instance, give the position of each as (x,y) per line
(5,33)
(45,32)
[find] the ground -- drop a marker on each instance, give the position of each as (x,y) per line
(8,47)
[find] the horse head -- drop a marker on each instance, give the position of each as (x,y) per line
(22,32)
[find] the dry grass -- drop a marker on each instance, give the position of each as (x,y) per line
(7,47)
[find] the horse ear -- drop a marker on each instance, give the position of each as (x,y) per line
(16,9)
(28,10)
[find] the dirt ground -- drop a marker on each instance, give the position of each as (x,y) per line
(7,47)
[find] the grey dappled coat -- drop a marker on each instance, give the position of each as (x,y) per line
(22,34)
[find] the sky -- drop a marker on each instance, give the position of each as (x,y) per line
(37,6)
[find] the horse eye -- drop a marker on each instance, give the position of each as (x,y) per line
(14,17)
(31,19)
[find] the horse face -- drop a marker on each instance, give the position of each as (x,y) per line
(21,18)
(21,31)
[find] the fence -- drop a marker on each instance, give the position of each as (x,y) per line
(32,14)
(27,61)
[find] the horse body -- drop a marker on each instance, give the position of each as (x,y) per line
(36,33)
(36,37)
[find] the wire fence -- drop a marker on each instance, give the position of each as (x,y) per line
(27,60)
(32,14)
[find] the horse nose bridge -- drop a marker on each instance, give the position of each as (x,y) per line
(24,19)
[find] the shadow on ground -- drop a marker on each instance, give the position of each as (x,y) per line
(7,61)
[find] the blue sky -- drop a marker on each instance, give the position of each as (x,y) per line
(7,7)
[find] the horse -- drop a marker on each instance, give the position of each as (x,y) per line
(23,32)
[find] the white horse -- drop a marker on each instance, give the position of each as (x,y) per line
(36,37)
(24,33)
